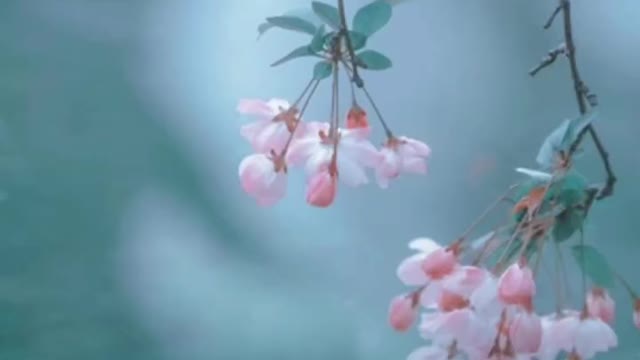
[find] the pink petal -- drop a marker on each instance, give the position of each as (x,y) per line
(525,332)
(414,165)
(429,353)
(593,336)
(350,172)
(410,271)
(252,130)
(260,180)
(272,137)
(256,107)
(415,147)
(321,189)
(439,263)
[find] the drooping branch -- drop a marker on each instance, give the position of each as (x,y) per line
(584,97)
(344,30)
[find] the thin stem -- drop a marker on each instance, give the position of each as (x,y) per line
(387,131)
(302,110)
(559,275)
(582,260)
(486,212)
(626,285)
(304,92)
(344,29)
(334,99)
(553,17)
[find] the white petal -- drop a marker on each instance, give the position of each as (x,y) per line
(539,175)
(410,271)
(351,172)
(424,245)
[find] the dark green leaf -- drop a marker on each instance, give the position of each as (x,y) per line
(561,139)
(327,13)
(317,43)
(373,60)
(567,223)
(296,53)
(358,40)
(372,17)
(322,70)
(292,23)
(594,265)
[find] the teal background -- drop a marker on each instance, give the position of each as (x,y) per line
(124,233)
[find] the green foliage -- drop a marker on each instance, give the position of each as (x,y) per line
(327,13)
(561,138)
(373,60)
(318,41)
(303,13)
(594,265)
(570,193)
(301,51)
(292,23)
(372,17)
(358,40)
(322,70)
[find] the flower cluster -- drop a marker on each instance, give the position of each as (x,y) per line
(471,312)
(328,154)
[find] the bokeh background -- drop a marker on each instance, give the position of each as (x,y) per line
(124,233)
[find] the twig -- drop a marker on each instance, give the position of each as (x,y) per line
(344,30)
(549,59)
(486,212)
(553,17)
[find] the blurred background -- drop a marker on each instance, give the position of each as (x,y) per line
(124,233)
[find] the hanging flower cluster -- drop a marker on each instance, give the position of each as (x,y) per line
(471,300)
(337,151)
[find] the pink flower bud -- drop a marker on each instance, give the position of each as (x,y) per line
(321,190)
(516,286)
(601,305)
(402,312)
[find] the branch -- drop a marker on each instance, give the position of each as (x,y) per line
(549,59)
(344,30)
(585,100)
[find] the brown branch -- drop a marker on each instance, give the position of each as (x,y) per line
(584,97)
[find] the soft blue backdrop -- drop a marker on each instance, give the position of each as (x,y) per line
(124,233)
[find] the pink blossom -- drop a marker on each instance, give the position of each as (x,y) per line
(263,177)
(516,286)
(557,334)
(403,312)
(525,332)
(600,304)
(321,189)
(410,269)
(349,149)
(592,336)
(401,154)
(445,327)
(277,121)
(636,313)
(440,263)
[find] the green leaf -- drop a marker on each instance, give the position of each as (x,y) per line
(561,138)
(372,17)
(327,13)
(373,60)
(317,43)
(594,265)
(322,70)
(296,53)
(302,13)
(358,40)
(567,223)
(292,23)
